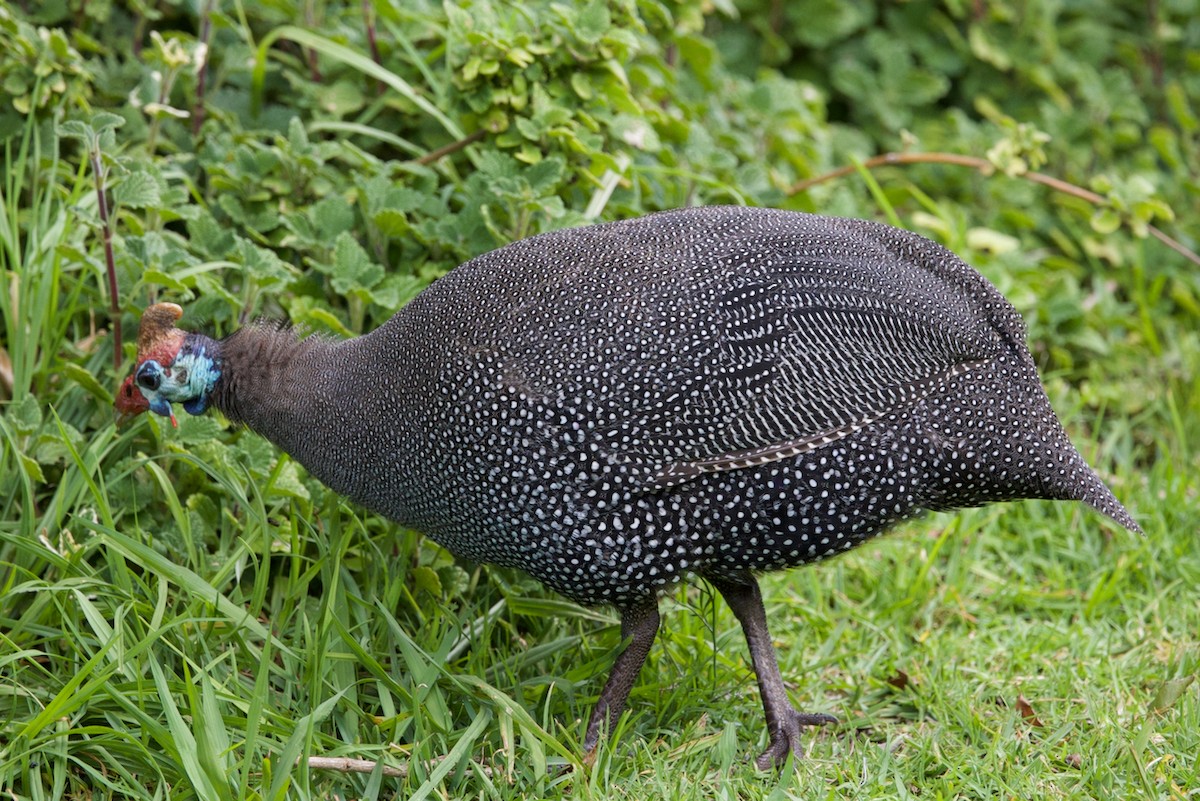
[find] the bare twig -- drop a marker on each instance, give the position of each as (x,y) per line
(202,74)
(453,147)
(985,167)
(368,12)
(886,159)
(349,765)
(114,303)
(1175,245)
(310,55)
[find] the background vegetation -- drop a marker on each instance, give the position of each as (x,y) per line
(185,613)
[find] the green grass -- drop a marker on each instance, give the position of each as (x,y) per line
(238,624)
(127,670)
(187,619)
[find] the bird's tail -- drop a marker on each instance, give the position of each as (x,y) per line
(1080,482)
(1100,498)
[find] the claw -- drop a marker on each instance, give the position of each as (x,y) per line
(786,740)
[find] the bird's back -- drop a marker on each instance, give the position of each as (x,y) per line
(724,372)
(710,331)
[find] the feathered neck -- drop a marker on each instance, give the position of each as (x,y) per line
(256,364)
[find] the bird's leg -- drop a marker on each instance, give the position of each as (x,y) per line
(639,625)
(783,721)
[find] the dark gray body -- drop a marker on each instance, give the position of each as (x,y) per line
(707,391)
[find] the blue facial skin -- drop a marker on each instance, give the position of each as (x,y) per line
(189,380)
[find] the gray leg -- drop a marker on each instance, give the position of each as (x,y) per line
(783,721)
(639,625)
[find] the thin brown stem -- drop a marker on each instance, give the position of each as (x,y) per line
(453,147)
(109,261)
(348,765)
(1175,245)
(368,12)
(351,765)
(886,159)
(987,168)
(202,75)
(310,55)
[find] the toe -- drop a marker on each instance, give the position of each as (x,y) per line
(786,740)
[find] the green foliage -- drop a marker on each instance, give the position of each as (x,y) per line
(187,612)
(1098,94)
(41,72)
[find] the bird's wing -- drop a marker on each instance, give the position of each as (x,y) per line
(788,349)
(713,339)
(803,361)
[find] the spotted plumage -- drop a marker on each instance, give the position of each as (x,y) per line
(714,392)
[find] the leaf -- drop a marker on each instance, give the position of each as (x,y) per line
(820,23)
(31,467)
(330,217)
(986,50)
(455,581)
(88,382)
(391,222)
(351,58)
(529,128)
(395,290)
(287,482)
(59,445)
(1169,693)
(197,430)
(341,99)
(582,86)
(153,277)
(139,190)
(212,738)
(105,121)
(16,85)
(460,752)
(636,132)
(1105,221)
(545,174)
(352,268)
(297,135)
(496,164)
(426,578)
(181,739)
(209,237)
(991,241)
(593,22)
(323,320)
(25,415)
(262,264)
(75,129)
(1027,712)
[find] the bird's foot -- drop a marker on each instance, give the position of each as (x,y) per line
(785,738)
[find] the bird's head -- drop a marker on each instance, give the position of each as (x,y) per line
(172,367)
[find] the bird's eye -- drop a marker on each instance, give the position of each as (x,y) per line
(149,376)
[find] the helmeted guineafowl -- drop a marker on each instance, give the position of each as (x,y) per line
(712,392)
